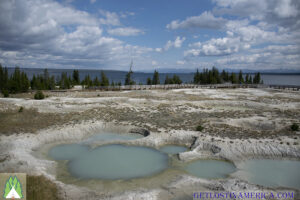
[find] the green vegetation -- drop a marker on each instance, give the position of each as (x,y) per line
(88,82)
(18,81)
(104,79)
(43,82)
(295,127)
(5,93)
(155,79)
(39,187)
(199,128)
(76,79)
(128,78)
(214,77)
(21,109)
(174,80)
(39,95)
(149,81)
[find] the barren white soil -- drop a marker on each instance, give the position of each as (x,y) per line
(238,124)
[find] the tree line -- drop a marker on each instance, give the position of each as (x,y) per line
(213,76)
(19,82)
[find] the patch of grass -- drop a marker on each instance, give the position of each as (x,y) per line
(30,120)
(39,95)
(39,187)
(295,127)
(21,109)
(199,128)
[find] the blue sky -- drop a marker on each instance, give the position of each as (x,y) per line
(156,34)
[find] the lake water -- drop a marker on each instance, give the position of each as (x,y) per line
(272,173)
(140,77)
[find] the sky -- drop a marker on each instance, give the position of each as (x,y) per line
(155,34)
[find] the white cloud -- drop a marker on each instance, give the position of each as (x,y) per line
(158,49)
(126,14)
(177,43)
(111,18)
(126,31)
(44,33)
(285,9)
(205,20)
(154,63)
(180,62)
(217,47)
(93,1)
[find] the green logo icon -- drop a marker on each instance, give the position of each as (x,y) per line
(13,188)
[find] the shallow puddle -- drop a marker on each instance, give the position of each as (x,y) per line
(272,173)
(173,149)
(210,169)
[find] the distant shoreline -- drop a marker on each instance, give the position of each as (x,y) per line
(145,72)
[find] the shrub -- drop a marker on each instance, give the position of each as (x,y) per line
(199,128)
(39,95)
(21,109)
(295,127)
(5,93)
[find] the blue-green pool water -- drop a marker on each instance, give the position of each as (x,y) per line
(210,169)
(67,151)
(272,173)
(118,162)
(173,149)
(111,137)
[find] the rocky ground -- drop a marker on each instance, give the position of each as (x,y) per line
(238,124)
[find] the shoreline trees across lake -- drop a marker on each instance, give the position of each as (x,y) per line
(19,82)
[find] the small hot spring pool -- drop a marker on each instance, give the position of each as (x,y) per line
(118,162)
(173,149)
(271,173)
(210,169)
(112,137)
(110,162)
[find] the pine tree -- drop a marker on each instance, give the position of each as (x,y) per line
(128,79)
(197,77)
(149,82)
(233,78)
(76,78)
(167,80)
(65,82)
(104,79)
(241,79)
(96,82)
(247,79)
(176,79)
(155,80)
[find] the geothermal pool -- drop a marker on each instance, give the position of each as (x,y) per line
(111,137)
(67,151)
(210,169)
(272,173)
(172,149)
(122,162)
(118,162)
